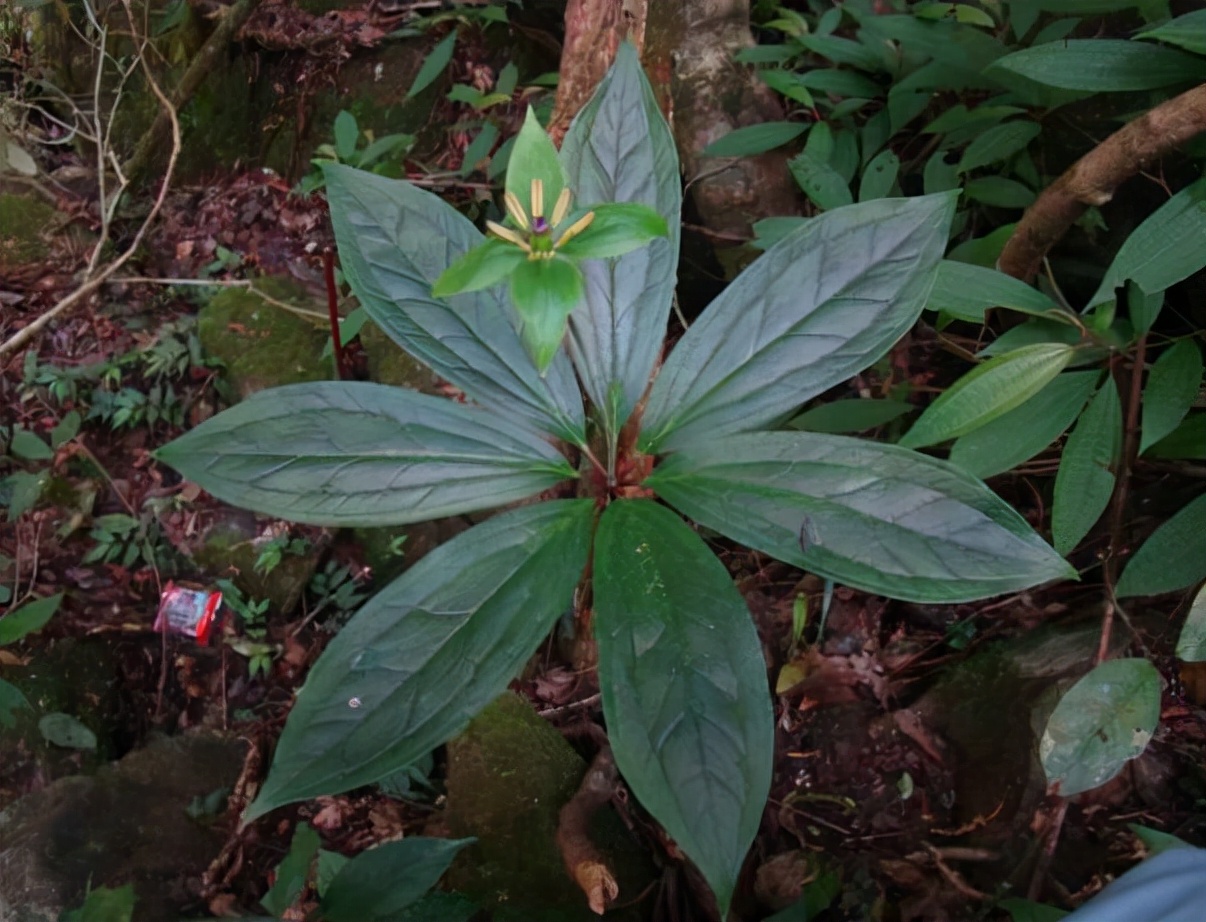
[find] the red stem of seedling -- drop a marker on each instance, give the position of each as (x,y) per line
(328,268)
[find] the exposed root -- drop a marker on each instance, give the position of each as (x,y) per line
(584,862)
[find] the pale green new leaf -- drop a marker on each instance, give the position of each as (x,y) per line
(381,882)
(966,291)
(989,391)
(1171,389)
(876,517)
(1191,645)
(1085,481)
(1164,249)
(818,307)
(353,453)
(1100,65)
(1188,32)
(534,157)
(684,686)
(1105,720)
(395,240)
(619,149)
(1024,431)
(1173,558)
(424,655)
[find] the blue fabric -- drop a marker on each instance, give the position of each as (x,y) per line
(1170,887)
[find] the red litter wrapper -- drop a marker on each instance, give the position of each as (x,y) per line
(190,612)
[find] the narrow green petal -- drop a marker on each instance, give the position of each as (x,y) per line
(481,267)
(618,228)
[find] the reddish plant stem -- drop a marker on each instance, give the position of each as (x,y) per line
(328,269)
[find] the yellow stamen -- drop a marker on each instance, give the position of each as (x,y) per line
(509,235)
(561,209)
(515,210)
(576,228)
(538,198)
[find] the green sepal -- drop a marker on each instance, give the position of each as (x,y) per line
(483,266)
(544,292)
(617,228)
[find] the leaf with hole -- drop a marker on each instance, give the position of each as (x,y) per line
(684,686)
(1101,723)
(63,730)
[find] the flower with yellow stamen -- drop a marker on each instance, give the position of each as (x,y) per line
(537,237)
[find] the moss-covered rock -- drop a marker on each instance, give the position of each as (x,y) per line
(23,221)
(509,775)
(389,364)
(261,344)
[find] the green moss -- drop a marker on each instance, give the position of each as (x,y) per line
(388,364)
(262,345)
(23,220)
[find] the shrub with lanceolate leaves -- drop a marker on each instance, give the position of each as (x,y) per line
(683,681)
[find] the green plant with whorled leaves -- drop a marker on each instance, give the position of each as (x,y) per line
(683,680)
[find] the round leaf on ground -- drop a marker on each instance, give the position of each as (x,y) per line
(1101,723)
(1191,645)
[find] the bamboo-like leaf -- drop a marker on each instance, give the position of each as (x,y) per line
(1024,431)
(1170,392)
(395,240)
(998,143)
(1187,31)
(754,139)
(1105,720)
(419,660)
(816,308)
(988,392)
(370,887)
(966,291)
(1085,481)
(876,517)
(30,617)
(1173,558)
(352,453)
(1099,65)
(684,686)
(619,149)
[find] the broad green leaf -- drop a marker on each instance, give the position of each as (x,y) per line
(483,266)
(788,84)
(818,307)
(66,430)
(770,231)
(1164,249)
(1035,332)
(1085,481)
(840,83)
(433,65)
(939,176)
(1191,645)
(1100,65)
(534,157)
(754,139)
(1171,389)
(876,517)
(617,228)
(293,872)
(329,864)
(1156,841)
(424,655)
(879,177)
(966,291)
(850,415)
(354,453)
(1173,558)
(28,446)
(988,392)
(619,149)
(684,685)
(105,904)
(962,47)
(999,192)
(961,118)
(998,143)
(820,182)
(1143,308)
(394,241)
(544,292)
(1024,431)
(1187,441)
(347,133)
(379,883)
(64,730)
(30,617)
(1188,32)
(479,148)
(1101,723)
(11,701)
